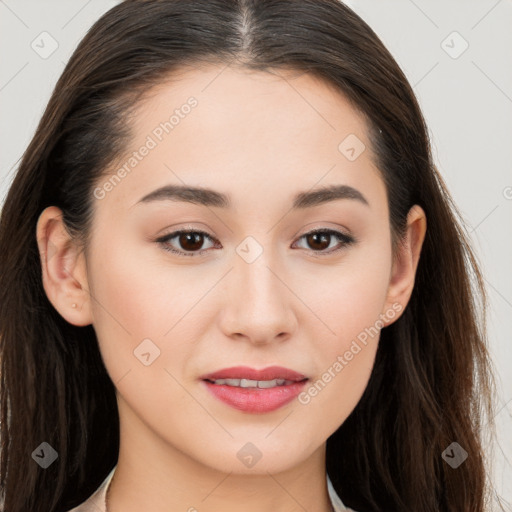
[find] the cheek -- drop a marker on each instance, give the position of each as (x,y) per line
(146,339)
(140,308)
(353,314)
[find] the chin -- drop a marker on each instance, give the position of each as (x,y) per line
(257,457)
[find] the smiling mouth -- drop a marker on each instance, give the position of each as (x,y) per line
(255,391)
(249,383)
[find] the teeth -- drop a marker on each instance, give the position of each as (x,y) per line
(248,383)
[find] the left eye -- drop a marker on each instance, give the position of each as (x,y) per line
(188,240)
(192,241)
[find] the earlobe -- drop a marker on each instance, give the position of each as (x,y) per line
(63,269)
(405,262)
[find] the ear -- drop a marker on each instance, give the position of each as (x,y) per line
(63,269)
(405,263)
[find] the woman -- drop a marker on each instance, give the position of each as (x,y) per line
(232,274)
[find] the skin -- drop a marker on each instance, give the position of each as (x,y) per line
(261,138)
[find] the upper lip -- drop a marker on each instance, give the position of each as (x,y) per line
(244,372)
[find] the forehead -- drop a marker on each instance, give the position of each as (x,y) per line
(230,95)
(261,131)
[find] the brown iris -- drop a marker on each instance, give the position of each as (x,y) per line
(318,241)
(191,241)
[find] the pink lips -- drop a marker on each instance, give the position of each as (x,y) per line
(255,399)
(244,372)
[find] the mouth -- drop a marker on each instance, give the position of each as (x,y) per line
(255,391)
(249,383)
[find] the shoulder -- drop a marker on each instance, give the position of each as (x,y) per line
(96,502)
(335,499)
(92,504)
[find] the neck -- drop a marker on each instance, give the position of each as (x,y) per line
(154,476)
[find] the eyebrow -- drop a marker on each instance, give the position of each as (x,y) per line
(209,197)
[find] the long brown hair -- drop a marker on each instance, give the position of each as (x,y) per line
(432,380)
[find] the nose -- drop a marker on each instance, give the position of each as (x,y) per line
(258,306)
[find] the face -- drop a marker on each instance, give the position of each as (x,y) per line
(249,283)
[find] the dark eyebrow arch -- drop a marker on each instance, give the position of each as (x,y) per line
(209,197)
(327,194)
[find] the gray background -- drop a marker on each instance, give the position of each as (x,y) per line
(463,82)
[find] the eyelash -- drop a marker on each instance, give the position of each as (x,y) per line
(345,240)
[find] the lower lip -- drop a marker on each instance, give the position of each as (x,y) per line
(256,400)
